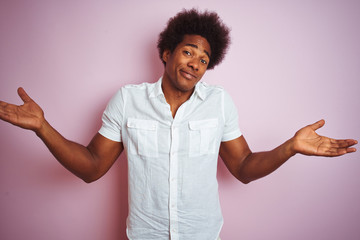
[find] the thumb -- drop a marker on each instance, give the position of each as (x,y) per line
(317,125)
(23,95)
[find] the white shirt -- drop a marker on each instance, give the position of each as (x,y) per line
(172,162)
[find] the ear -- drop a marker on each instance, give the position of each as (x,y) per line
(166,54)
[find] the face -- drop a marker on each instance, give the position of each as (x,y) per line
(186,65)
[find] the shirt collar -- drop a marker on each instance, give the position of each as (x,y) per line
(200,90)
(157,90)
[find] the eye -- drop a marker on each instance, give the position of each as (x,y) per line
(203,61)
(187,53)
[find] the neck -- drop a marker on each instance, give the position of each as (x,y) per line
(174,97)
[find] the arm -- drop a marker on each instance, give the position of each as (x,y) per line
(89,163)
(247,166)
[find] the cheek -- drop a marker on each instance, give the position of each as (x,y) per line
(170,69)
(202,70)
(173,64)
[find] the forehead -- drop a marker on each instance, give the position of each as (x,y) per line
(196,41)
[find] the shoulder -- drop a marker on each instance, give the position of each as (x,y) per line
(137,90)
(209,87)
(216,93)
(211,90)
(127,90)
(138,86)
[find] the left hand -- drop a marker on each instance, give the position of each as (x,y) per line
(306,141)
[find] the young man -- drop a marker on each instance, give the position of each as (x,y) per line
(173,131)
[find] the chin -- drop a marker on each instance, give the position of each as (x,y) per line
(186,87)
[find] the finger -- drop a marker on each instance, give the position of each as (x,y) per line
(6,107)
(340,147)
(350,150)
(6,111)
(3,104)
(347,146)
(317,125)
(343,143)
(335,151)
(342,151)
(23,95)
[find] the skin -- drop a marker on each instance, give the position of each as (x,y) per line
(185,66)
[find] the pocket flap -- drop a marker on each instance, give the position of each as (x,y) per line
(203,124)
(142,124)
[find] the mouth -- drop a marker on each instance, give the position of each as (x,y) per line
(188,75)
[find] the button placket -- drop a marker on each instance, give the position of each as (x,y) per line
(173,182)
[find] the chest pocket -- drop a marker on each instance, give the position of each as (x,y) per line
(202,137)
(143,137)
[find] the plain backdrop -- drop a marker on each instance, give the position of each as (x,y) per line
(290,64)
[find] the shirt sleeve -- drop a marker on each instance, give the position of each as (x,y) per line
(231,118)
(113,117)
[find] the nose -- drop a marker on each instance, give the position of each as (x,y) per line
(194,64)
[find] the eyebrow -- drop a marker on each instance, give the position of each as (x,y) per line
(196,46)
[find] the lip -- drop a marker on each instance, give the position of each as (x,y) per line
(188,74)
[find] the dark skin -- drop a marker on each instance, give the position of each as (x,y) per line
(185,66)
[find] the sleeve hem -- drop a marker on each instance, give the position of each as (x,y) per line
(231,136)
(109,135)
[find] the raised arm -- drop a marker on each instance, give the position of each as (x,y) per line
(247,166)
(89,163)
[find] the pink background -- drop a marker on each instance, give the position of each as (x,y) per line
(291,63)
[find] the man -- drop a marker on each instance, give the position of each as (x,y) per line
(172,132)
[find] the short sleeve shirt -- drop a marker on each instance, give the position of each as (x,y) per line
(172,162)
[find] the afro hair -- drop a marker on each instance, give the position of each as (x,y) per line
(192,22)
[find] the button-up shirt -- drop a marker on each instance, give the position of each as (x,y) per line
(172,162)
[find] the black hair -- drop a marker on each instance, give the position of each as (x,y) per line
(192,22)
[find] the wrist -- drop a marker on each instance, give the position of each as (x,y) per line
(290,147)
(42,128)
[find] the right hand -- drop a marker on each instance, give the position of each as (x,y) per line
(28,116)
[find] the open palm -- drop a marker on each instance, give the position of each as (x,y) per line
(28,116)
(308,142)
